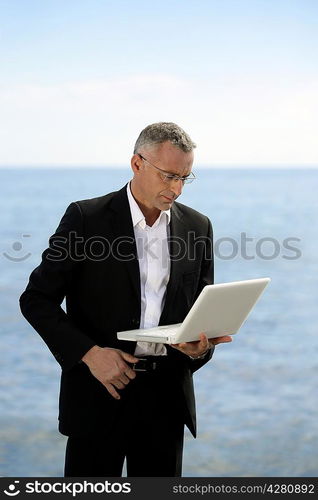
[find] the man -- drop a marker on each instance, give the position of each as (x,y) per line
(124,261)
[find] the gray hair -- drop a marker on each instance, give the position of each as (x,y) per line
(160,132)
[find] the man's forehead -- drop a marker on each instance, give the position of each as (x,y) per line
(172,159)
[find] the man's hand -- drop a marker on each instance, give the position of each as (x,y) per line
(200,347)
(109,367)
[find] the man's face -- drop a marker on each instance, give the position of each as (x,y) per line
(151,188)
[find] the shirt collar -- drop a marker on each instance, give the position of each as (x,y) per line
(137,215)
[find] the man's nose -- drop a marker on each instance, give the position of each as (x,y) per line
(176,186)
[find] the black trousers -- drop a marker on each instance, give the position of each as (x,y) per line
(148,432)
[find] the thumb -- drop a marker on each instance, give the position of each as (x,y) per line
(129,357)
(204,340)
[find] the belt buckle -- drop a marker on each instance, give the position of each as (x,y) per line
(139,369)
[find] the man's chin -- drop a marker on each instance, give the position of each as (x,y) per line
(166,204)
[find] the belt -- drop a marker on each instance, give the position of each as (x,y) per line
(150,363)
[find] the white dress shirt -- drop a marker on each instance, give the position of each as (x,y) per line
(154,267)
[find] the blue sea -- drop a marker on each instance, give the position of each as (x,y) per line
(257,399)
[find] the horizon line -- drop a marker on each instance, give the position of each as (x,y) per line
(124,167)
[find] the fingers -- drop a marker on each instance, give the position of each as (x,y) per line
(129,372)
(181,345)
(221,340)
(197,345)
(204,342)
(119,383)
(128,357)
(202,345)
(123,379)
(121,374)
(112,391)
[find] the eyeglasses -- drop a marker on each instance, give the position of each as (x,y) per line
(169,177)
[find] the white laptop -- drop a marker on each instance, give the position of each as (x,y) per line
(219,310)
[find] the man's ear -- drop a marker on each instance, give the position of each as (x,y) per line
(136,164)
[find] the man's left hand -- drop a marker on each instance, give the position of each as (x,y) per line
(200,347)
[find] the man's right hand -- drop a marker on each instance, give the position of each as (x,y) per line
(110,368)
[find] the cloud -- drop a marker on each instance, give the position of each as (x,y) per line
(234,121)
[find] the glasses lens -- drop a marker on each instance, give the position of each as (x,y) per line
(190,179)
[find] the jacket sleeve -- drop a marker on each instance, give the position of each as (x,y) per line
(41,302)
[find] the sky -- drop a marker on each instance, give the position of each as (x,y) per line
(80,79)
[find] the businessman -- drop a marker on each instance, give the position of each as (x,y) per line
(132,258)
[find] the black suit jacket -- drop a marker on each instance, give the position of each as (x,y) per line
(92,263)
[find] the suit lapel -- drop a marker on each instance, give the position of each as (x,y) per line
(178,253)
(124,246)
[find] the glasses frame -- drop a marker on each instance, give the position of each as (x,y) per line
(166,177)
